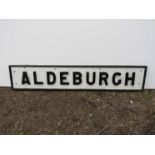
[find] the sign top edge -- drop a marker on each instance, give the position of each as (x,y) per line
(106,66)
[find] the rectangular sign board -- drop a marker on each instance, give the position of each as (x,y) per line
(77,77)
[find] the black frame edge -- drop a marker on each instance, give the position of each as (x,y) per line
(144,78)
(11,78)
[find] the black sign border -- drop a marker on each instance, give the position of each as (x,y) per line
(78,66)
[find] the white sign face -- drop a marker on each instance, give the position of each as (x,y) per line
(78,77)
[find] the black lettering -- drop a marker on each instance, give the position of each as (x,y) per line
(118,82)
(35,79)
(49,75)
(63,78)
(103,76)
(77,78)
(25,78)
(131,78)
(88,78)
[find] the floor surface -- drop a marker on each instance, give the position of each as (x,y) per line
(76,112)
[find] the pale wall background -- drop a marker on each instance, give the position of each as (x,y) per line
(77,42)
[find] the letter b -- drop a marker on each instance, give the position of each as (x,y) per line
(77,78)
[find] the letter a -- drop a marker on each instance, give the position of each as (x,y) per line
(25,78)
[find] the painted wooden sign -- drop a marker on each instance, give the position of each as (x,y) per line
(78,77)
